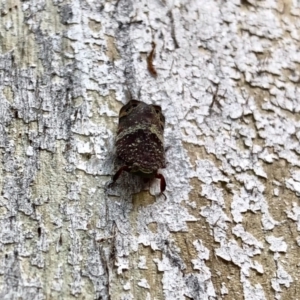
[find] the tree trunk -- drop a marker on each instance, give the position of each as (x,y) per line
(226,74)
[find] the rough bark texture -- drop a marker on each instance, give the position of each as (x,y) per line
(226,74)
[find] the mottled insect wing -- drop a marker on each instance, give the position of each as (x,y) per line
(140,136)
(139,142)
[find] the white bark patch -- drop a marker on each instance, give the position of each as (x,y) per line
(294,182)
(250,243)
(282,279)
(143,283)
(127,286)
(277,244)
(224,289)
(251,198)
(173,281)
(253,292)
(142,263)
(241,257)
(294,214)
(208,173)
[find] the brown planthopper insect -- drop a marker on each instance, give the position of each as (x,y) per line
(140,141)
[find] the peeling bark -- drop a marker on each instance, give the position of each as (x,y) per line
(227,75)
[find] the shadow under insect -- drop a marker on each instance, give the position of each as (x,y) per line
(140,143)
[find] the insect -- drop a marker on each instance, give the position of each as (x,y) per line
(139,142)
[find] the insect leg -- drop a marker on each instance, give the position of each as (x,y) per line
(162,182)
(117,175)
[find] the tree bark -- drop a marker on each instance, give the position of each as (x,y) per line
(226,74)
